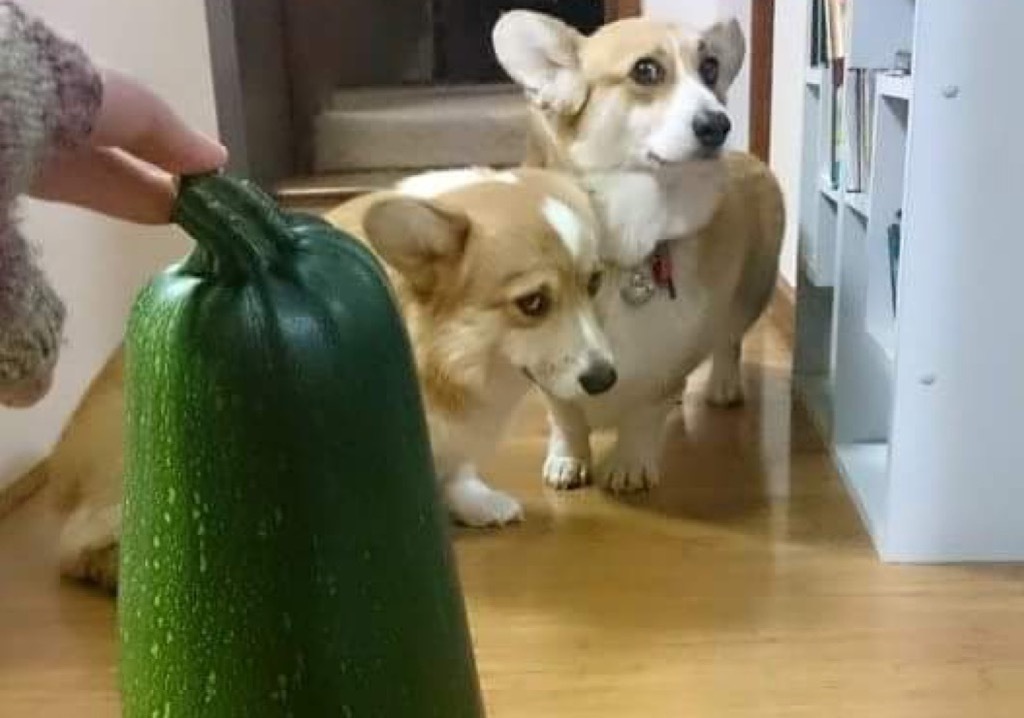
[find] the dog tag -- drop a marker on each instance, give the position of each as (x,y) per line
(638,289)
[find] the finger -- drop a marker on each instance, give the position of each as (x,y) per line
(110,182)
(135,119)
(26,393)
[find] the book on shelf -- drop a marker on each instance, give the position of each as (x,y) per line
(828,47)
(894,238)
(837,31)
(835,153)
(860,122)
(819,34)
(867,106)
(828,32)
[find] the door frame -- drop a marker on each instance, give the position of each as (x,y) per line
(619,9)
(762,55)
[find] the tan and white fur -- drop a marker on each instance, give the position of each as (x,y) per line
(637,113)
(493,272)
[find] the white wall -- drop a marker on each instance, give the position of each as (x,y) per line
(98,264)
(701,14)
(791,33)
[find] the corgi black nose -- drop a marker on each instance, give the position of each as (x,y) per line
(712,128)
(598,378)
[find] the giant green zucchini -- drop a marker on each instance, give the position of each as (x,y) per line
(284,551)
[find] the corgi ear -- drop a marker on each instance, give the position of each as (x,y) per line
(726,42)
(417,238)
(541,54)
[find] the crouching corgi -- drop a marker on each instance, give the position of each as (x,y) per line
(636,113)
(494,274)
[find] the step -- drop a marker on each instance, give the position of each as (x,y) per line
(321,192)
(416,128)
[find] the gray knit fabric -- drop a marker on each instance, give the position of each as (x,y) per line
(49,96)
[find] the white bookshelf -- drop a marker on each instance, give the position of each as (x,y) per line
(922,404)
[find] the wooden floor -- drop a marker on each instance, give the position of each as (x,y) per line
(743,587)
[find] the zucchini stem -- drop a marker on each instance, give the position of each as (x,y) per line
(235,222)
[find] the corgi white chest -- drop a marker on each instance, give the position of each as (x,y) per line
(658,340)
(642,208)
(656,343)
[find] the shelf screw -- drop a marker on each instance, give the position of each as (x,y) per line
(927,380)
(950,92)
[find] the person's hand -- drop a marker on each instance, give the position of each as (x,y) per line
(128,166)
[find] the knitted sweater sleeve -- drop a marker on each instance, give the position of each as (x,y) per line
(50,94)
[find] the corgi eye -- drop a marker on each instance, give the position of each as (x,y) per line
(534,305)
(648,72)
(708,70)
(594,284)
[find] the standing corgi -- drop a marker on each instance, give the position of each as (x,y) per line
(636,112)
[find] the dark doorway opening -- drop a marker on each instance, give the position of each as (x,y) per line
(280,64)
(462,32)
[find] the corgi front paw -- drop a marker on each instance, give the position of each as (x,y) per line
(492,510)
(725,386)
(725,391)
(89,544)
(93,566)
(473,503)
(625,472)
(566,472)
